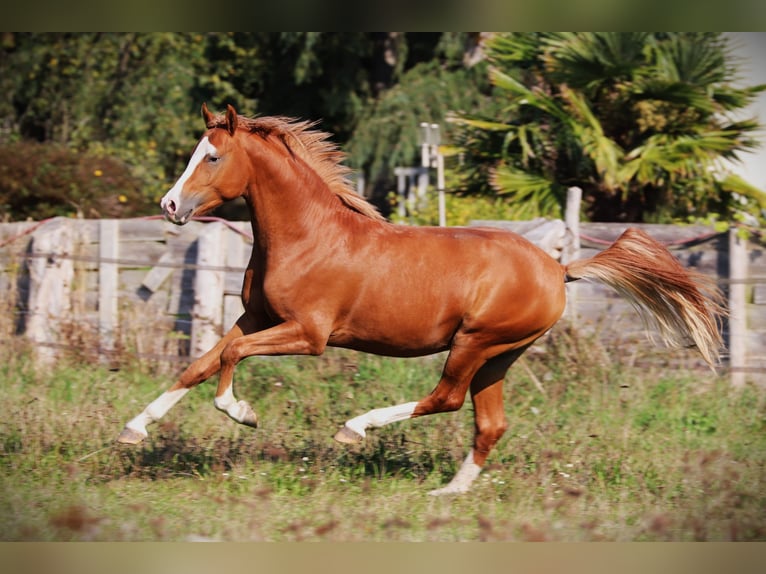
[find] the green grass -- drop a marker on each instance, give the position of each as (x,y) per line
(600,451)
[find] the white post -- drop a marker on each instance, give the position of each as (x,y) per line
(737,308)
(440,189)
(360,183)
(422,176)
(50,280)
(425,139)
(236,257)
(108,252)
(207,313)
(571,249)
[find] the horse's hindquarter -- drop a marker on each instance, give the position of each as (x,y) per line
(412,289)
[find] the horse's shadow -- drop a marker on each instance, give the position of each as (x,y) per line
(170,454)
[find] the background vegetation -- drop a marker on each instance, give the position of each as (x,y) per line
(640,122)
(597,450)
(99,124)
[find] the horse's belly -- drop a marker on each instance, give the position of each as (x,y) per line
(396,333)
(387,348)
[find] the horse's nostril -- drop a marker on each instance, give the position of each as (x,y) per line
(170,207)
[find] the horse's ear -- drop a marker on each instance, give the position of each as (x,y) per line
(207,116)
(231,119)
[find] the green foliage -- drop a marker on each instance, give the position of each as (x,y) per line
(43,180)
(640,121)
(135,97)
(120,96)
(310,75)
(460,210)
(388,134)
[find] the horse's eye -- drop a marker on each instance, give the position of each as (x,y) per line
(212,158)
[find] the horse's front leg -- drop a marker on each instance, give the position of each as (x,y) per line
(290,338)
(201,369)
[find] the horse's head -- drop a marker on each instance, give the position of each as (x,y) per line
(217,171)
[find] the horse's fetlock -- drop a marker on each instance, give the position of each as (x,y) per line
(220,403)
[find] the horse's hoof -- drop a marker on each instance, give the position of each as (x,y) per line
(130,436)
(348,436)
(250,418)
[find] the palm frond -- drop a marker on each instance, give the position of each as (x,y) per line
(645,114)
(665,157)
(486,125)
(733,183)
(674,92)
(535,195)
(514,48)
(605,153)
(524,96)
(592,59)
(684,58)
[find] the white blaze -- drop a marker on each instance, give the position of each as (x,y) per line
(204,149)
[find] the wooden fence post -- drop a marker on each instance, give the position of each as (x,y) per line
(108,282)
(236,261)
(571,248)
(50,281)
(737,307)
(207,313)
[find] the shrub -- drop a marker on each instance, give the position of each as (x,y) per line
(40,180)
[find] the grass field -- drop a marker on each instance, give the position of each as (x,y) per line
(596,450)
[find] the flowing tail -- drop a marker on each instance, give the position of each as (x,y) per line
(684,306)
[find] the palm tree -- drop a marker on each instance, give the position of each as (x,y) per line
(642,122)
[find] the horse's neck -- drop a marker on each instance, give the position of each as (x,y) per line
(291,205)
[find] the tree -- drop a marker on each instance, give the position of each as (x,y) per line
(121,97)
(640,121)
(438,77)
(135,97)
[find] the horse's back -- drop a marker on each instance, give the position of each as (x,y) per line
(421,286)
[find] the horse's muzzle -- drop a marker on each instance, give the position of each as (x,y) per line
(169,209)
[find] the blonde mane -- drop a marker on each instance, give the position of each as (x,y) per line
(313,147)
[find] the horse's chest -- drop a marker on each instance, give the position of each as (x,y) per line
(278,298)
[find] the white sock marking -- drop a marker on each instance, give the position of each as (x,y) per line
(229,404)
(462,481)
(377,418)
(156,410)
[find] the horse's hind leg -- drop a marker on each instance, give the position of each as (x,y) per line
(201,369)
(449,394)
(489,418)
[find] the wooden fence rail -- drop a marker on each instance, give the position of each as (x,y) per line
(141,285)
(158,291)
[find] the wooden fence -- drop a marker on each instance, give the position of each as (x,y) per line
(146,288)
(737,264)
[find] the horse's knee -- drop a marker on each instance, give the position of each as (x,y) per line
(199,371)
(231,354)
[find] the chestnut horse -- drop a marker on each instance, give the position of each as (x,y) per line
(328,269)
